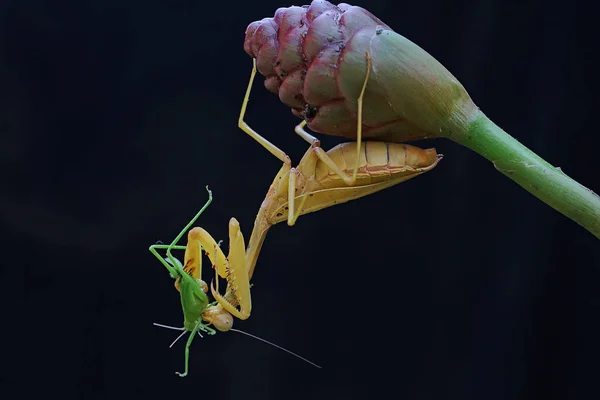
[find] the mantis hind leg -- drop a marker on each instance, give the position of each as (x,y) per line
(359,115)
(293,210)
(277,152)
(323,156)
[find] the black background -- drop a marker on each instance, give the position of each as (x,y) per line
(457,285)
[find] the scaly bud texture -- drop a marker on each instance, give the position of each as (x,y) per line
(314,57)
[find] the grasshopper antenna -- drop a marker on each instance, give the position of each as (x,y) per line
(175,328)
(178,337)
(274,345)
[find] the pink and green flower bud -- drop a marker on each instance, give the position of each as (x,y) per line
(314,58)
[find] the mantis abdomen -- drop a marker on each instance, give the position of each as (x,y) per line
(378,162)
(380,166)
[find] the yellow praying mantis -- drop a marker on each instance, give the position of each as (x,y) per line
(322,179)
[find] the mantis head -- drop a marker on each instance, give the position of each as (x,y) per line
(220,318)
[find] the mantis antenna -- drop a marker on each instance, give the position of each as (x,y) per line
(242,332)
(274,345)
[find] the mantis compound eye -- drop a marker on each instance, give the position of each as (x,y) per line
(223,322)
(220,318)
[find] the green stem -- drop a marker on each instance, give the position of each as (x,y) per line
(530,171)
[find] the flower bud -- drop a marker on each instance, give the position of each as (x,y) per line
(315,58)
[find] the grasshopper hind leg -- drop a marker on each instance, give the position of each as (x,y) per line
(187,349)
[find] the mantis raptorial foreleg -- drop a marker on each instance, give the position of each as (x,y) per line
(238,282)
(232,268)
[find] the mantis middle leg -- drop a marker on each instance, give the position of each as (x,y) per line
(276,151)
(317,150)
(349,180)
(281,155)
